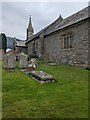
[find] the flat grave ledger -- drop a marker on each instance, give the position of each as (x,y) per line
(42,77)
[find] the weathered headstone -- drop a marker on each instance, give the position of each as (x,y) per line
(23,61)
(9,61)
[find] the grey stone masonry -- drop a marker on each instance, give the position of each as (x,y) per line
(65,41)
(77,54)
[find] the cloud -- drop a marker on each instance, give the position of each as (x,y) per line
(15,15)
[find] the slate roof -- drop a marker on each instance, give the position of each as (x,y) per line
(20,43)
(46,29)
(77,17)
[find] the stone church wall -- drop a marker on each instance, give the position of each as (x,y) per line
(22,49)
(38,47)
(30,45)
(77,55)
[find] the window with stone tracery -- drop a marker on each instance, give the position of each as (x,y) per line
(67,41)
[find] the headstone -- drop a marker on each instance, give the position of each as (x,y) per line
(9,61)
(23,61)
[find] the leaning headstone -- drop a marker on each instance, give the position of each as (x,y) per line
(9,61)
(23,61)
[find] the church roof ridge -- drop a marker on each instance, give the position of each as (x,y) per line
(45,28)
(74,18)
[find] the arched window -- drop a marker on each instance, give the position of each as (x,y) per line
(68,41)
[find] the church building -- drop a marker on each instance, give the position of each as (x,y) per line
(64,41)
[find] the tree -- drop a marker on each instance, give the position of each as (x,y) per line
(3,42)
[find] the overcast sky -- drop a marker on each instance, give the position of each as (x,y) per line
(15,15)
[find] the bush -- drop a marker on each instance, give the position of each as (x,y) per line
(3,42)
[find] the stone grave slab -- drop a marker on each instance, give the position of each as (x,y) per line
(42,77)
(52,64)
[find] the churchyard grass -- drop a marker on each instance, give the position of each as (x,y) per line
(0,89)
(23,97)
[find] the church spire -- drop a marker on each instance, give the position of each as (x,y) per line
(30,28)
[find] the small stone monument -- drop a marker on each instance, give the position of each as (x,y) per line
(23,61)
(9,61)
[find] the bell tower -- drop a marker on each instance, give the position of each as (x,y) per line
(30,30)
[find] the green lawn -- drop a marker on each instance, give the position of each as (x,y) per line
(23,97)
(0,90)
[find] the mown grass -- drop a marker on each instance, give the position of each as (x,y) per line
(23,97)
(0,89)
